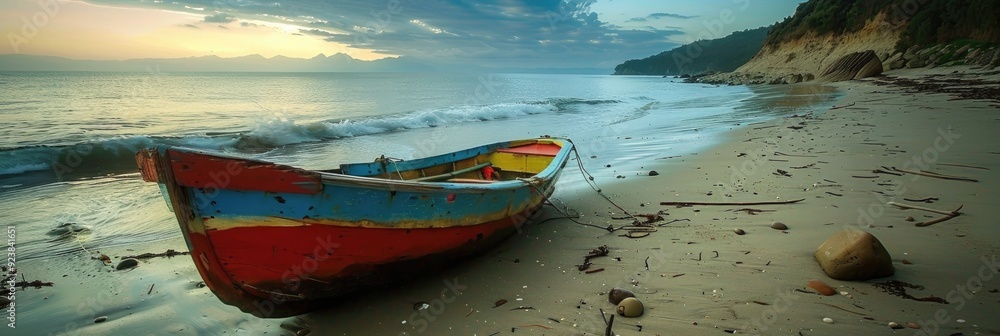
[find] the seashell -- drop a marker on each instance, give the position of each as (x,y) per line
(740,232)
(630,307)
(827,320)
(616,295)
(821,287)
(779,226)
(499,303)
(895,325)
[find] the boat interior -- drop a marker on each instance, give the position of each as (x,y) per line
(521,159)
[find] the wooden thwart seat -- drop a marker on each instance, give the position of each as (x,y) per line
(446,176)
(468,180)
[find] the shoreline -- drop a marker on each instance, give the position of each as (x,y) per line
(701,278)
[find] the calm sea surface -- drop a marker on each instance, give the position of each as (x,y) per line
(67,139)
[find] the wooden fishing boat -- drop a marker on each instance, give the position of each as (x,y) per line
(277,241)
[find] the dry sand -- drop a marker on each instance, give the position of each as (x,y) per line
(702,278)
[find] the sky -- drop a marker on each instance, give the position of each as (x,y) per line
(488,33)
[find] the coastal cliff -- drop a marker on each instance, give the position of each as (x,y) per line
(901,34)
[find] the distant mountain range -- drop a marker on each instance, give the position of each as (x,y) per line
(256,63)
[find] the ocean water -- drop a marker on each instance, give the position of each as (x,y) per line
(67,139)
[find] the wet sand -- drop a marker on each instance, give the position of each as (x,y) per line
(702,278)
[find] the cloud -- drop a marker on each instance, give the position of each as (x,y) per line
(190,26)
(669,15)
(317,32)
(220,18)
(637,19)
(494,33)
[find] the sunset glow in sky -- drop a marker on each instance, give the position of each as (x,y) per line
(544,33)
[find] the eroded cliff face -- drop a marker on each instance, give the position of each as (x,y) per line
(807,57)
(831,57)
(813,54)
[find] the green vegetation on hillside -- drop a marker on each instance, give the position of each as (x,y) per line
(927,22)
(724,54)
(944,21)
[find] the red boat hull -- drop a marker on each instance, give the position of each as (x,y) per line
(330,261)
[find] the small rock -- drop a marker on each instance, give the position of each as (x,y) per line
(616,295)
(779,226)
(740,232)
(821,287)
(630,307)
(960,321)
(607,166)
(905,262)
(908,219)
(100,319)
(827,320)
(653,173)
(895,325)
(127,264)
(913,325)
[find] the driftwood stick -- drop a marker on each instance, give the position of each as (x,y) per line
(842,106)
(932,174)
(611,322)
(917,207)
(731,203)
(783,154)
(879,171)
(964,166)
(936,220)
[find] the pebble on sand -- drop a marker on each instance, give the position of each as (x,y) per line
(895,325)
(740,232)
(127,264)
(616,295)
(827,320)
(779,226)
(653,173)
(630,307)
(821,288)
(913,325)
(909,219)
(100,319)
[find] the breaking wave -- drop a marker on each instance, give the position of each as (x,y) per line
(115,155)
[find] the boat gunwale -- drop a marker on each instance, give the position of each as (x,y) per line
(558,161)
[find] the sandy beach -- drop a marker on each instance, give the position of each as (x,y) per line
(694,274)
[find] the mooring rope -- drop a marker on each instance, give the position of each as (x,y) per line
(593,184)
(589,178)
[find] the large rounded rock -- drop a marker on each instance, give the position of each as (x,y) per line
(854,255)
